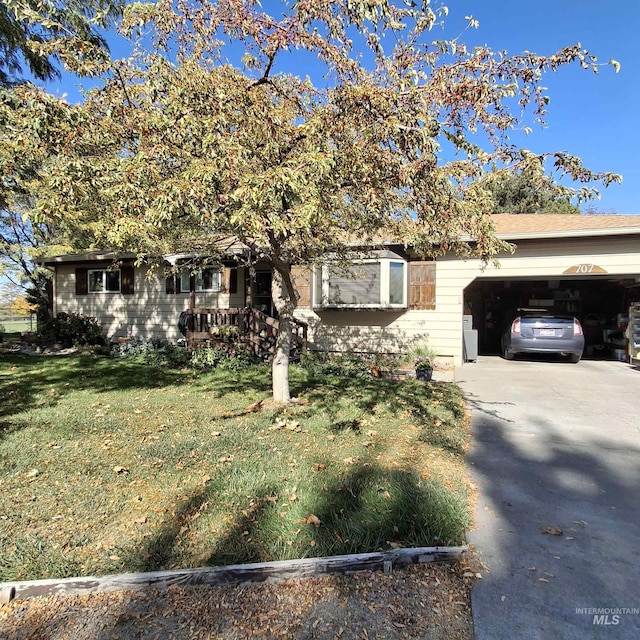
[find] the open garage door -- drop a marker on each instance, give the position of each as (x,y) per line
(601,303)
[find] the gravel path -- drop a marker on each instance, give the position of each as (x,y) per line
(428,601)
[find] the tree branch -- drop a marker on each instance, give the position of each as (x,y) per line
(265,76)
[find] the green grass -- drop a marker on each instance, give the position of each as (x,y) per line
(110,466)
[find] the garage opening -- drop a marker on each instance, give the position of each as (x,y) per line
(601,304)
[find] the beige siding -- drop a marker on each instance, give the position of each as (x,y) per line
(547,259)
(150,312)
(393,332)
(551,258)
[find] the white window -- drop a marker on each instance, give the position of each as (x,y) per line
(104,280)
(369,284)
(206,280)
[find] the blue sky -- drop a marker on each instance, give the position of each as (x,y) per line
(596,117)
(592,116)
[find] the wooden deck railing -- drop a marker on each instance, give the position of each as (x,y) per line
(250,326)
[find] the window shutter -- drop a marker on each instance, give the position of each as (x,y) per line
(82,281)
(233,280)
(301,277)
(172,284)
(422,285)
(127,276)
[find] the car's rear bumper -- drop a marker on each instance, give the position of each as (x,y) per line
(546,345)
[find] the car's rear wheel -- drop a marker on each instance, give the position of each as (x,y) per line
(506,354)
(575,358)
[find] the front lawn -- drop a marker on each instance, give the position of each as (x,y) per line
(110,466)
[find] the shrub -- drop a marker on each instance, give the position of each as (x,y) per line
(156,351)
(229,358)
(162,353)
(69,329)
(348,365)
(386,361)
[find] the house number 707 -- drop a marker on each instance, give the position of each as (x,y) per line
(584,269)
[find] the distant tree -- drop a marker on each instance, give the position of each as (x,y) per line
(529,193)
(21,243)
(22,307)
(593,210)
(34,34)
(185,143)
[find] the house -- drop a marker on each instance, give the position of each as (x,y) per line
(587,265)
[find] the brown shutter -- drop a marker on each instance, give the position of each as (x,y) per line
(172,283)
(127,277)
(301,277)
(82,281)
(233,280)
(422,285)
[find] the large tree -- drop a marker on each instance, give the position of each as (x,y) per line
(202,133)
(34,37)
(37,33)
(31,125)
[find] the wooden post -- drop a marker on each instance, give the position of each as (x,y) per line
(7,594)
(248,283)
(235,574)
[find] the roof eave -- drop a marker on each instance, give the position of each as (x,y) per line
(569,233)
(103,256)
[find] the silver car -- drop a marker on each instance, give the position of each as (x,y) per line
(543,331)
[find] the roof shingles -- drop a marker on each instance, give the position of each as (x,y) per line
(529,223)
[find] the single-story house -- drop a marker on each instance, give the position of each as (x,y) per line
(587,265)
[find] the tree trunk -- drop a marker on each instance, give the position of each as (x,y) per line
(284,302)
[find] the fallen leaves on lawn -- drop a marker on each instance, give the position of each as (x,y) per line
(283,424)
(311,519)
(255,406)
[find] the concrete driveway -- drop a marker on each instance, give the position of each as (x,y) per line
(556,446)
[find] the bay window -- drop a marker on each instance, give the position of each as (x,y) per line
(375,283)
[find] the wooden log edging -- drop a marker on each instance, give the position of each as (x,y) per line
(233,574)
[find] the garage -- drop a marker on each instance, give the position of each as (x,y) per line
(584,266)
(600,303)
